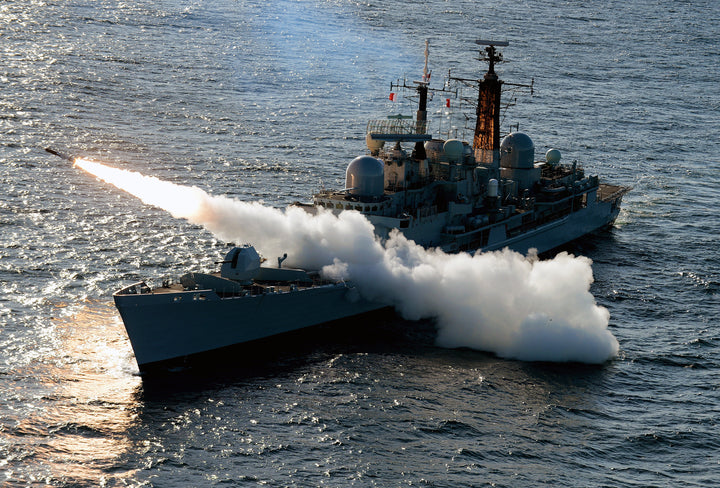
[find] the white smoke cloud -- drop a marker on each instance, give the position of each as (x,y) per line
(515,306)
(518,307)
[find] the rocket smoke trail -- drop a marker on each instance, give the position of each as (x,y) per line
(515,306)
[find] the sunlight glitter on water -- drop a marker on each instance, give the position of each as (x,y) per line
(216,96)
(93,383)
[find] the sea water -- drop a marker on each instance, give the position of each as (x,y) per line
(267,101)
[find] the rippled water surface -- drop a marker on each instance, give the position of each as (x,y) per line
(268,101)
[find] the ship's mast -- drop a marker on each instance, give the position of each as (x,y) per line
(486,141)
(421,115)
(423,88)
(418,132)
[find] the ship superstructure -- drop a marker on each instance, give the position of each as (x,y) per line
(466,196)
(242,303)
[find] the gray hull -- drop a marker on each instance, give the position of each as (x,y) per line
(562,231)
(167,326)
(510,233)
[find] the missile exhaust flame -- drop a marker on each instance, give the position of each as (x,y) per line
(180,201)
(515,306)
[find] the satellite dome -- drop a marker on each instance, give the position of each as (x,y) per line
(552,156)
(517,151)
(434,148)
(454,149)
(365,176)
(374,145)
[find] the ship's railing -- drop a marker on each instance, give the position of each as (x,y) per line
(607,193)
(324,193)
(442,170)
(138,288)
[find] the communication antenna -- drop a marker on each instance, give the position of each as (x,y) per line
(426,78)
(492,56)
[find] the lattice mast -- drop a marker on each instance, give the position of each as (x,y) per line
(486,141)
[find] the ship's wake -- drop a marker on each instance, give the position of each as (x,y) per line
(515,306)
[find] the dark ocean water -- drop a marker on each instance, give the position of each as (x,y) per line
(268,101)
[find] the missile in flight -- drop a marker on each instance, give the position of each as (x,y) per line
(61,154)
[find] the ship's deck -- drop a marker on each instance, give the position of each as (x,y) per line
(610,192)
(257,288)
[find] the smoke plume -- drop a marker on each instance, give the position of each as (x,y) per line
(515,306)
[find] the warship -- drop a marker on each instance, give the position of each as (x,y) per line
(244,302)
(482,195)
(446,193)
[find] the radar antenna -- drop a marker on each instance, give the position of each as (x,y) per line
(415,132)
(491,54)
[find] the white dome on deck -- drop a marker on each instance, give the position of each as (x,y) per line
(454,150)
(373,145)
(517,151)
(553,156)
(365,176)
